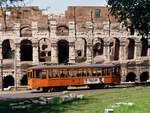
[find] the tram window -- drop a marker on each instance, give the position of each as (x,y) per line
(117,71)
(38,73)
(83,73)
(73,73)
(62,73)
(89,73)
(108,71)
(43,74)
(99,72)
(68,73)
(103,72)
(55,73)
(94,72)
(79,72)
(50,73)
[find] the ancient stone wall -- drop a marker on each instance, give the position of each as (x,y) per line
(80,36)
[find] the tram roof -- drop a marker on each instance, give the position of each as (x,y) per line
(72,66)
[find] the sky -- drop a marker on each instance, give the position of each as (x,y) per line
(59,6)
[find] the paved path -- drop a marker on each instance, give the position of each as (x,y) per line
(25,94)
(30,94)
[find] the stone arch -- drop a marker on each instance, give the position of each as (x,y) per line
(130,48)
(63,51)
(26,31)
(26,50)
(24,80)
(62,30)
(144,50)
(8,49)
(130,77)
(144,77)
(8,81)
(80,50)
(98,47)
(44,50)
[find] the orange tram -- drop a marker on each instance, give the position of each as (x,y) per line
(59,77)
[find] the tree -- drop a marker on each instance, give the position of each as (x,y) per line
(135,14)
(8,5)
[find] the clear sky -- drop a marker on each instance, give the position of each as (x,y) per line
(59,6)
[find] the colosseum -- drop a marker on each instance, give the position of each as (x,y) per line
(80,35)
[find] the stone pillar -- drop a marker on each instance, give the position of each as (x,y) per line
(137,79)
(1,68)
(137,51)
(148,49)
(71,52)
(122,51)
(0,28)
(18,75)
(106,51)
(72,29)
(18,65)
(53,28)
(123,72)
(17,29)
(54,53)
(35,53)
(89,54)
(17,52)
(34,28)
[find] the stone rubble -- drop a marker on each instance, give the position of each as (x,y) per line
(108,111)
(43,101)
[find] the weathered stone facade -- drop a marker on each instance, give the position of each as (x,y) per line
(81,35)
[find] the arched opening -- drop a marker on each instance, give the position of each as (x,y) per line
(117,46)
(44,50)
(144,47)
(131,45)
(80,50)
(8,81)
(144,77)
(8,49)
(26,31)
(98,47)
(130,77)
(63,51)
(62,30)
(24,80)
(26,50)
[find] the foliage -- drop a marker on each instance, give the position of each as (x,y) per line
(133,13)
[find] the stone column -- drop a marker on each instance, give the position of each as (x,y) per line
(72,29)
(89,54)
(35,53)
(17,52)
(34,28)
(148,49)
(123,72)
(54,53)
(137,79)
(53,28)
(122,52)
(18,64)
(71,52)
(137,51)
(1,68)
(17,29)
(106,51)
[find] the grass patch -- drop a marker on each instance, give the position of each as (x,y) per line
(94,102)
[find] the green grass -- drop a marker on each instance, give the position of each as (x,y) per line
(94,102)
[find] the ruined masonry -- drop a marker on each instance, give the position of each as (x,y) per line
(82,35)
